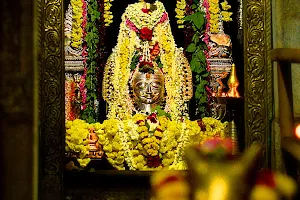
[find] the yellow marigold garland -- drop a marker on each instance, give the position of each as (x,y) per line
(217,16)
(129,142)
(214,11)
(107,13)
(180,12)
(226,16)
(77,134)
(77,32)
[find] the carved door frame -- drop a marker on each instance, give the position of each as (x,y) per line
(49,44)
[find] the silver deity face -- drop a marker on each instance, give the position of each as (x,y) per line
(148,88)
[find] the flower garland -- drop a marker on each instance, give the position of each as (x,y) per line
(214,11)
(107,13)
(69,95)
(82,87)
(180,12)
(217,16)
(89,112)
(206,33)
(75,30)
(153,142)
(77,21)
(145,18)
(77,133)
(142,142)
(141,30)
(226,16)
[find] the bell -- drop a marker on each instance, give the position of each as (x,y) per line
(233,83)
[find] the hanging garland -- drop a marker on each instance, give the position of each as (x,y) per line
(180,12)
(77,21)
(198,60)
(226,16)
(69,96)
(82,87)
(217,16)
(89,112)
(207,17)
(107,13)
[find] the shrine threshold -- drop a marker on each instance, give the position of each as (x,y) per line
(135,100)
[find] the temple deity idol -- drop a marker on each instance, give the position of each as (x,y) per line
(146,69)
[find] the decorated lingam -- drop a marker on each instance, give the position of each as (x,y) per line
(148,88)
(145,37)
(147,84)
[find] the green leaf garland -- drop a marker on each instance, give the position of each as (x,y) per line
(198,63)
(92,39)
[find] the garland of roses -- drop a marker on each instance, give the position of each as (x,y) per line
(89,112)
(69,96)
(84,55)
(198,62)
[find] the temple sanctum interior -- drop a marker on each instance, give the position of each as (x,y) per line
(150,100)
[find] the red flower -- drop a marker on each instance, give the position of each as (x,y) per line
(139,121)
(146,34)
(152,118)
(153,161)
(145,10)
(158,129)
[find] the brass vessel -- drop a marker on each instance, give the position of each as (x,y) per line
(233,83)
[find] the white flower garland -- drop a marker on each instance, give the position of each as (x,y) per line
(175,67)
